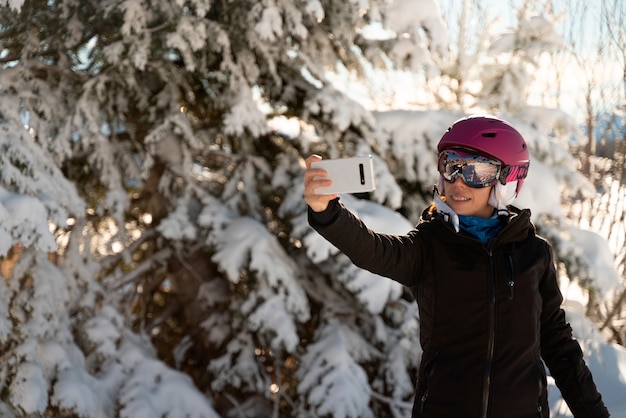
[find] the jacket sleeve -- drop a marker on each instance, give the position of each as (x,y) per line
(392,256)
(563,355)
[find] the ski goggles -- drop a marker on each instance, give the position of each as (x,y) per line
(476,170)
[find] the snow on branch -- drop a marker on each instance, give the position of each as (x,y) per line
(245,115)
(337,109)
(190,36)
(177,225)
(271,317)
(26,169)
(23,220)
(246,244)
(29,389)
(238,367)
(154,390)
(331,380)
(270,26)
(13,4)
(135,381)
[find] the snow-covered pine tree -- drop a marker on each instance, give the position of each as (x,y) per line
(153,214)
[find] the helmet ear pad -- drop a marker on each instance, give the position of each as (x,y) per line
(502,195)
(440,184)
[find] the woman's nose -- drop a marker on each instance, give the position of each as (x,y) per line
(460,183)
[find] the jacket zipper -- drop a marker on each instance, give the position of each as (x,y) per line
(492,337)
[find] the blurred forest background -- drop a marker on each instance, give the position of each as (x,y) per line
(155,252)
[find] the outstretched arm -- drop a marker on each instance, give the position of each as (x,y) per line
(393,256)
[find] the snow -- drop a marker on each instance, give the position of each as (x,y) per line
(270,26)
(30,389)
(236,369)
(407,16)
(23,216)
(330,366)
(190,36)
(596,255)
(540,177)
(166,390)
(245,114)
(13,4)
(315,8)
(280,295)
(339,110)
(177,225)
(73,350)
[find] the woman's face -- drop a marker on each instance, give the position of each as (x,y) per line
(468,201)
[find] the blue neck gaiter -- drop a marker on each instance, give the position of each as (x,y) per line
(482,228)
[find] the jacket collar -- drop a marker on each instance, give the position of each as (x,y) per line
(517,228)
(445,211)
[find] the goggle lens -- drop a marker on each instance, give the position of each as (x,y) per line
(475,170)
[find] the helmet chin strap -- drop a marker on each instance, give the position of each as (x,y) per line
(502,195)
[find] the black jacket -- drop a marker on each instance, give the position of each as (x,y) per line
(488,315)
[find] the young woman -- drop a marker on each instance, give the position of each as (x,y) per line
(485,283)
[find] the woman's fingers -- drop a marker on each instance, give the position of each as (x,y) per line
(314,178)
(312,158)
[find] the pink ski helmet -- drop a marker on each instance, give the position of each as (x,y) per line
(492,137)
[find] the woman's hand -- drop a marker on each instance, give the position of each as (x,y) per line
(314,178)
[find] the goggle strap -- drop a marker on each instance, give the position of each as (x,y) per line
(513,173)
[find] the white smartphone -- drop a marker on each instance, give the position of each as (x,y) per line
(349,175)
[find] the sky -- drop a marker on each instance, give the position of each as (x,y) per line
(586,24)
